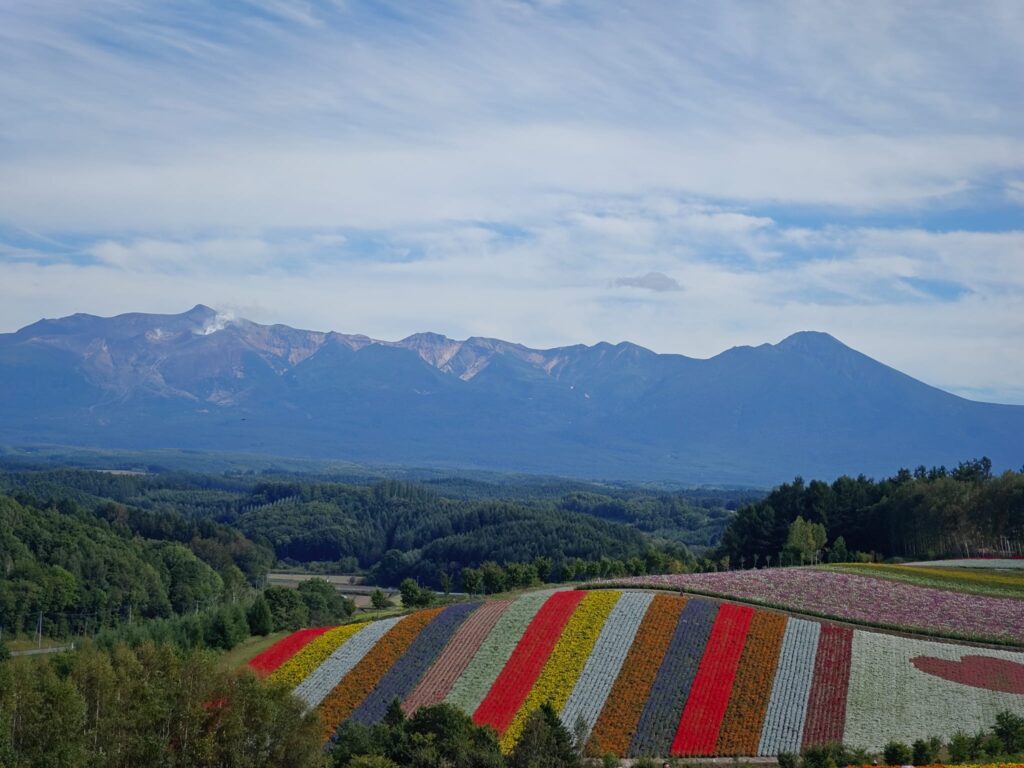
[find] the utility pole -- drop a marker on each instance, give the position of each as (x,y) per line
(39,631)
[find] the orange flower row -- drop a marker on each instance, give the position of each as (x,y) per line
(618,720)
(364,676)
(744,716)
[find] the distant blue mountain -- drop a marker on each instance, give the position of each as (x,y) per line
(808,405)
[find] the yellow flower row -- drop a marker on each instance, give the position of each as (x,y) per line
(563,667)
(301,665)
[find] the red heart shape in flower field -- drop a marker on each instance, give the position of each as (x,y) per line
(976,671)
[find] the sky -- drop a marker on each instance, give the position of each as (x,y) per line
(689,176)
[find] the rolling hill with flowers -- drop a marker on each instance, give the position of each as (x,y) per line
(651,674)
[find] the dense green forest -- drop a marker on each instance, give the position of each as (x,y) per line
(925,513)
(399,530)
(155,705)
(82,570)
(392,529)
(87,550)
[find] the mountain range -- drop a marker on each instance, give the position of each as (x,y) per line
(808,405)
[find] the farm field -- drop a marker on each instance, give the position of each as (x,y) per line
(651,674)
(978,581)
(1010,564)
(865,599)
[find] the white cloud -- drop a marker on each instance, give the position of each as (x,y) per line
(152,255)
(319,116)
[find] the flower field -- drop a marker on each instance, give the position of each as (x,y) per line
(1002,563)
(979,581)
(880,602)
(651,674)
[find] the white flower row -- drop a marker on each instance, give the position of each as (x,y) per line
(324,678)
(783,728)
(602,668)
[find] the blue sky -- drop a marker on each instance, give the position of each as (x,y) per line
(688,176)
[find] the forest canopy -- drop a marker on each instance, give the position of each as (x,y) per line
(924,513)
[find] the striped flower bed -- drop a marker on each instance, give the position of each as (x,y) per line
(302,664)
(653,674)
(566,662)
(787,708)
(826,709)
(322,681)
(407,671)
(276,655)
(438,681)
(372,668)
(472,686)
(744,715)
(617,723)
(659,719)
(519,674)
(602,667)
(700,725)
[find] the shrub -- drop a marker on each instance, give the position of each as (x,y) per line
(922,753)
(992,745)
(287,607)
(458,741)
(960,747)
(610,761)
(545,741)
(226,627)
(261,620)
(896,753)
(1010,730)
(788,760)
(414,596)
(324,603)
(977,745)
(826,756)
(353,741)
(859,756)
